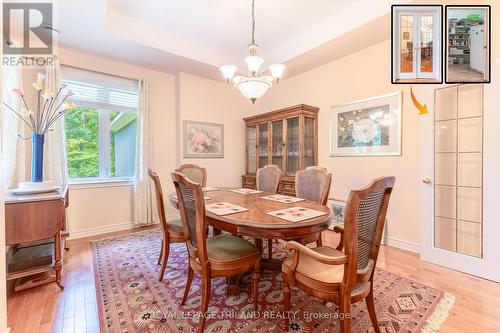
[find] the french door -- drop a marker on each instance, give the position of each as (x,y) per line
(418,48)
(457,226)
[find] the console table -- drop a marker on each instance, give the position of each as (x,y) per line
(35,218)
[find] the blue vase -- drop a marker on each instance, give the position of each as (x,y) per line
(37,141)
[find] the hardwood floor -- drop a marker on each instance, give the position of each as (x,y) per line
(47,309)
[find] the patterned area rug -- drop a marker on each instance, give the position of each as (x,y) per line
(131,299)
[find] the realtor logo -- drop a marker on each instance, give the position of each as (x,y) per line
(29,37)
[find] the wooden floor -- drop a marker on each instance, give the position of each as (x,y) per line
(46,309)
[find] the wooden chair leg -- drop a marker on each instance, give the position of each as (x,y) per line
(319,241)
(161,253)
(345,311)
(205,299)
(188,285)
(164,256)
(258,243)
(270,248)
(370,304)
(286,305)
(256,281)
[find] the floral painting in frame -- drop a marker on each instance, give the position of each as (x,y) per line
(203,140)
(370,127)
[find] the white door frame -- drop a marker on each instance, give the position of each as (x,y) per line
(417,13)
(487,267)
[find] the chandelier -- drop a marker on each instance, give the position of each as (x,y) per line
(254,85)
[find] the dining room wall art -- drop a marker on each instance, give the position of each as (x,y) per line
(203,140)
(368,127)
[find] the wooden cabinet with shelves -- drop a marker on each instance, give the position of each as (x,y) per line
(287,138)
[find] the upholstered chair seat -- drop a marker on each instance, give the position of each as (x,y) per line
(229,247)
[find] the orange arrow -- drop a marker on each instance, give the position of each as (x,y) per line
(421,108)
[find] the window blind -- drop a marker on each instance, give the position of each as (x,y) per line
(101,91)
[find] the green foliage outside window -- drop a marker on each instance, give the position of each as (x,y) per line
(82,142)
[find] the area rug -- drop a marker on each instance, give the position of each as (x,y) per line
(130,298)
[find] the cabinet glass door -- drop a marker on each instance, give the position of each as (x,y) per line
(292,146)
(277,144)
(263,144)
(308,142)
(251,149)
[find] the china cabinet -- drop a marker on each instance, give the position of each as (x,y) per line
(287,138)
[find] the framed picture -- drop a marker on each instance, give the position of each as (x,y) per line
(367,127)
(203,140)
(338,211)
(468,44)
(417,44)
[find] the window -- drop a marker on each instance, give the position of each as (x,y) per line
(101,130)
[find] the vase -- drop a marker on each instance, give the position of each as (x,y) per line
(37,157)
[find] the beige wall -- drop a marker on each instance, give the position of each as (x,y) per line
(215,102)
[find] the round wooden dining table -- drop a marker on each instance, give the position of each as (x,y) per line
(257,223)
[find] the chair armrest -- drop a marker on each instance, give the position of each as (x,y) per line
(339,230)
(329,260)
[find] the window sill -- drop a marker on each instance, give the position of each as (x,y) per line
(86,184)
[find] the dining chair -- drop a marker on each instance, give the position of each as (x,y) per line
(313,184)
(172,230)
(268,180)
(344,275)
(219,256)
(194,172)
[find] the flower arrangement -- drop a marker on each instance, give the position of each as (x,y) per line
(50,107)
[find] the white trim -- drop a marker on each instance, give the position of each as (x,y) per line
(402,244)
(101,184)
(110,228)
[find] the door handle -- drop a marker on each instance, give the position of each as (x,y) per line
(426,181)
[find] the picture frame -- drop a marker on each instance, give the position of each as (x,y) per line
(369,127)
(468,44)
(202,139)
(338,211)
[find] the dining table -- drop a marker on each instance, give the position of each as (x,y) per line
(258,224)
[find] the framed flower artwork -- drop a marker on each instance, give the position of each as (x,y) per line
(370,127)
(203,140)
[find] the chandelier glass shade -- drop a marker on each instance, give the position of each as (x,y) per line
(254,85)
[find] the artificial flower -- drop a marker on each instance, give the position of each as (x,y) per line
(40,77)
(48,93)
(37,85)
(17,92)
(69,106)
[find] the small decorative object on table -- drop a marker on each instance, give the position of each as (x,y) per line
(50,107)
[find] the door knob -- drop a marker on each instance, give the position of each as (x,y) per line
(426,181)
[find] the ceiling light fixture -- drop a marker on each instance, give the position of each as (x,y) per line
(254,85)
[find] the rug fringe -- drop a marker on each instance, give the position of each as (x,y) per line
(440,314)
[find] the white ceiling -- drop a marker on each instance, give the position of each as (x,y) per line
(197,36)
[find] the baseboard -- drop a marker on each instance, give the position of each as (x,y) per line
(401,244)
(109,228)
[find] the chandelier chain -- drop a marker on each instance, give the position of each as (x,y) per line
(253,21)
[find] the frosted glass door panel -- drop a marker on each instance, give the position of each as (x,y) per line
(458,170)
